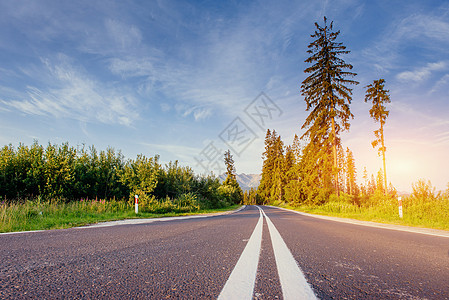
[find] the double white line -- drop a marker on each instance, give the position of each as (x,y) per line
(240,284)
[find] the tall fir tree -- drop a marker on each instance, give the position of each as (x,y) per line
(235,191)
(229,163)
(372,185)
(264,189)
(380,182)
(379,96)
(293,190)
(327,94)
(296,148)
(365,181)
(277,163)
(277,189)
(351,172)
(341,163)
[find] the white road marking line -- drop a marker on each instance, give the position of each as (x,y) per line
(240,284)
(294,284)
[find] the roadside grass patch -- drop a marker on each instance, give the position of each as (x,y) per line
(416,212)
(36,215)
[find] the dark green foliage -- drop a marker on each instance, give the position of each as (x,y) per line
(65,173)
(271,177)
(59,172)
(277,169)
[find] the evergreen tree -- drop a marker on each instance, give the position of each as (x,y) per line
(380,182)
(377,94)
(365,180)
(230,185)
(372,185)
(296,148)
(342,170)
(315,178)
(351,172)
(277,189)
(327,94)
(293,190)
(268,156)
(229,162)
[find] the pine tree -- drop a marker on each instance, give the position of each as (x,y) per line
(266,182)
(296,148)
(351,173)
(327,93)
(372,185)
(365,181)
(377,94)
(342,170)
(229,162)
(380,182)
(315,177)
(231,184)
(277,189)
(293,191)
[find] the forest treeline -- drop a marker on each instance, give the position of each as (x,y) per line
(66,173)
(287,179)
(317,169)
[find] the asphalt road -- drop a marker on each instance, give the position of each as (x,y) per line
(225,256)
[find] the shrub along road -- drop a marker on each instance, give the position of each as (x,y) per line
(218,257)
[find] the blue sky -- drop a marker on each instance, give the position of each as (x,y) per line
(175,78)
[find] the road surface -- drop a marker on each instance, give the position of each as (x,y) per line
(259,252)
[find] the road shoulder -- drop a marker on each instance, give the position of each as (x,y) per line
(427,231)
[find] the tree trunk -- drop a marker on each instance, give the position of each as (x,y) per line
(383,156)
(334,151)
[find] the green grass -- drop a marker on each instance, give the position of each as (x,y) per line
(426,214)
(33,215)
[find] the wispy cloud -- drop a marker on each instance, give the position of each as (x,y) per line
(441,85)
(421,74)
(427,30)
(75,96)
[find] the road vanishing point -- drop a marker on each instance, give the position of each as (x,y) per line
(258,252)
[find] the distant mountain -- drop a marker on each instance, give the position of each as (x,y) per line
(246,181)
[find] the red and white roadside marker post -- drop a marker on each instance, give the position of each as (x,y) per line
(400,206)
(136,197)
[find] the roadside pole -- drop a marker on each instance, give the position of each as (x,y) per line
(136,197)
(400,206)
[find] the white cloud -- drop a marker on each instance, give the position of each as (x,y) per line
(131,67)
(202,113)
(124,36)
(441,85)
(421,26)
(76,96)
(428,31)
(422,74)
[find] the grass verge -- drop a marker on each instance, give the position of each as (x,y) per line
(33,215)
(433,215)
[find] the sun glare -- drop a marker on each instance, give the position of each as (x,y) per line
(403,166)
